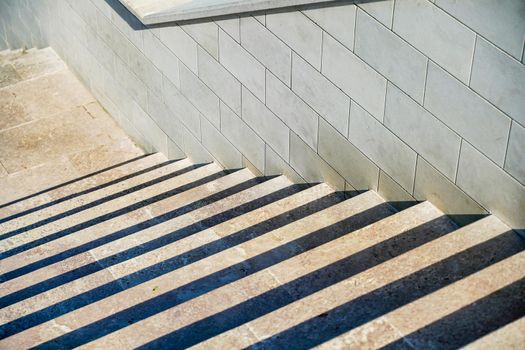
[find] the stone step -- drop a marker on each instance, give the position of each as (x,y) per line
(109,210)
(98,194)
(151,246)
(196,278)
(511,336)
(296,279)
(101,178)
(181,194)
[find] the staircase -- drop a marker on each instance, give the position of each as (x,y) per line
(104,247)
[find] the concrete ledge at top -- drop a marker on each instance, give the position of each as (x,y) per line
(163,11)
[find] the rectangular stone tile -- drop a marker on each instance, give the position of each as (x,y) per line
(242,65)
(113,37)
(489,185)
(244,138)
(344,157)
(128,24)
(500,79)
(175,151)
(391,56)
(438,35)
(181,44)
(310,166)
(337,20)
(130,83)
(206,34)
(501,22)
(515,160)
(354,77)
(104,54)
(382,146)
(266,124)
(422,131)
(182,108)
(151,131)
(299,32)
(162,57)
(380,10)
(220,147)
(326,98)
(465,112)
(392,192)
(275,165)
(267,48)
(431,185)
(232,26)
(200,95)
(164,117)
(222,82)
(292,110)
(145,70)
(194,149)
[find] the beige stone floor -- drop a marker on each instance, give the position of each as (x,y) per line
(102,247)
(51,129)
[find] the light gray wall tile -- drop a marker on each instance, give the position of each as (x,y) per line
(165,118)
(107,32)
(127,24)
(265,123)
(292,110)
(323,96)
(242,65)
(129,81)
(393,193)
(275,165)
(206,34)
(162,57)
(242,137)
(469,115)
(422,131)
(436,34)
(391,56)
(354,77)
(231,25)
(380,10)
(181,44)
(501,22)
(382,146)
(337,20)
(151,131)
(227,155)
(145,71)
(182,108)
(490,186)
(310,166)
(194,149)
(200,95)
(300,33)
(174,151)
(431,185)
(500,79)
(222,82)
(515,161)
(267,48)
(344,157)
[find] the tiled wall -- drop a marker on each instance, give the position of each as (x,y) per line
(413,98)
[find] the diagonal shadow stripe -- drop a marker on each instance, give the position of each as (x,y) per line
(72,181)
(357,311)
(163,267)
(218,279)
(135,228)
(84,192)
(100,201)
(470,322)
(109,216)
(145,247)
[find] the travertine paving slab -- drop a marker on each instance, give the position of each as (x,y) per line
(101,179)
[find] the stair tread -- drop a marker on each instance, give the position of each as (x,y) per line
(94,188)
